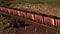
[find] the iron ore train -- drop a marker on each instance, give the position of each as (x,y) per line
(39,18)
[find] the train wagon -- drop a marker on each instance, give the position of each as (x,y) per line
(39,18)
(15,12)
(0,8)
(36,17)
(23,14)
(30,16)
(6,9)
(57,22)
(10,11)
(3,9)
(49,20)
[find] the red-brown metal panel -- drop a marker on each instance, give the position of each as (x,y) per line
(11,11)
(48,20)
(29,16)
(0,8)
(14,12)
(57,22)
(6,9)
(23,14)
(3,9)
(39,18)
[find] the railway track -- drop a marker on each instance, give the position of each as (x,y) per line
(34,28)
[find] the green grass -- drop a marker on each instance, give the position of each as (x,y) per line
(2,27)
(16,2)
(36,1)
